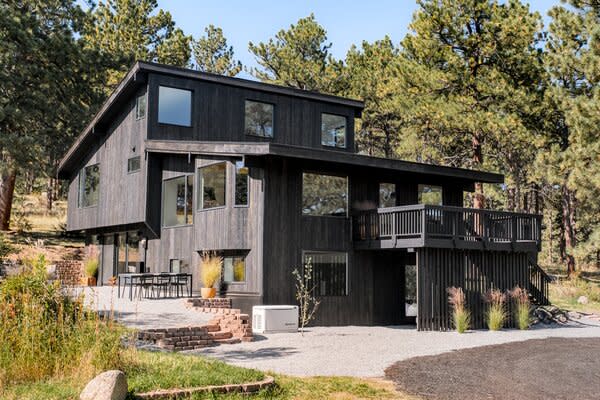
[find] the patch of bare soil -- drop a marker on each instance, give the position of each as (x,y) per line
(540,369)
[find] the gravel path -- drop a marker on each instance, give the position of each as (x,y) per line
(368,351)
(143,313)
(538,369)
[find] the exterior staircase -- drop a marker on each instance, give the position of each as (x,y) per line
(539,285)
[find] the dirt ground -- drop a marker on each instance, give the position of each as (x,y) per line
(539,369)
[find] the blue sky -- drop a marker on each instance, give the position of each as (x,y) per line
(346,22)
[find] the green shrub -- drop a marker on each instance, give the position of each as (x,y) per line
(5,247)
(46,334)
(496,314)
(91,267)
(460,315)
(522,307)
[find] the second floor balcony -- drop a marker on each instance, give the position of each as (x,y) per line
(445,226)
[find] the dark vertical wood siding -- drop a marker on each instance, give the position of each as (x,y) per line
(218,115)
(475,272)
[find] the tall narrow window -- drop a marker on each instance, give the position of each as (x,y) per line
(89,186)
(241,184)
(324,195)
(174,106)
(432,195)
(333,130)
(329,272)
(140,106)
(177,201)
(133,164)
(258,119)
(211,186)
(387,195)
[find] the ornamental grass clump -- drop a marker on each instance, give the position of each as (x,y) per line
(522,307)
(211,269)
(496,313)
(460,315)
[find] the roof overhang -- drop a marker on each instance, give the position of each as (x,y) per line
(328,156)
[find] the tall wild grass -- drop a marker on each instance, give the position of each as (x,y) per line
(44,333)
(460,315)
(522,307)
(496,313)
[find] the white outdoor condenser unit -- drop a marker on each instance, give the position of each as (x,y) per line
(271,319)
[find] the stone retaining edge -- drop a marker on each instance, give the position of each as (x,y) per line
(251,387)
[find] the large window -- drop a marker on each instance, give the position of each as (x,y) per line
(211,186)
(333,130)
(241,184)
(258,119)
(429,194)
(177,200)
(89,186)
(234,269)
(140,106)
(329,272)
(127,253)
(324,195)
(387,195)
(174,106)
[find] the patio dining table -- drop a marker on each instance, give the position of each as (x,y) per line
(128,279)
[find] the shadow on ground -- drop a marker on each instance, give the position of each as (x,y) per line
(256,355)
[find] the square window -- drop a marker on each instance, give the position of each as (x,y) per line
(333,130)
(177,201)
(387,195)
(133,164)
(211,186)
(431,195)
(174,106)
(258,120)
(234,269)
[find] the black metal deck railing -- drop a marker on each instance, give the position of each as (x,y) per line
(445,226)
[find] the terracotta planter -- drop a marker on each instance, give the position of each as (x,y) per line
(208,293)
(88,281)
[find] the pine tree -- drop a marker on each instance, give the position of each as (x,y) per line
(299,57)
(212,54)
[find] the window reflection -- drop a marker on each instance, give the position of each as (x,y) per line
(324,195)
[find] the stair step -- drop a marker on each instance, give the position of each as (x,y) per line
(227,341)
(218,335)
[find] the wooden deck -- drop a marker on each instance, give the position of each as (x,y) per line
(422,225)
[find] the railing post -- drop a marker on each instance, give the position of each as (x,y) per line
(513,229)
(423,224)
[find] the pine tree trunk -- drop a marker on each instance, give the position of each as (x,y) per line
(50,194)
(7,191)
(478,198)
(568,224)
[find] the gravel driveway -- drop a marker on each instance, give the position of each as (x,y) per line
(539,369)
(368,351)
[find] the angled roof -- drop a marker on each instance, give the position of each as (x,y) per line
(305,153)
(137,76)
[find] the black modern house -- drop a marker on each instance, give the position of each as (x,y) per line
(178,162)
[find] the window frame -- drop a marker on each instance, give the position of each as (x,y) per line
(81,178)
(139,167)
(347,177)
(345,146)
(273,105)
(185,212)
(235,175)
(347,262)
(139,116)
(200,202)
(191,123)
(244,256)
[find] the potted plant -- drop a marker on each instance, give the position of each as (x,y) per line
(90,267)
(112,281)
(210,273)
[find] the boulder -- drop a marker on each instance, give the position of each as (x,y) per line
(109,385)
(582,300)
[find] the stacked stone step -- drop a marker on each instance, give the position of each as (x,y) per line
(180,338)
(69,272)
(210,303)
(235,322)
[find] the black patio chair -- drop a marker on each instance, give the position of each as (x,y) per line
(146,285)
(180,283)
(162,283)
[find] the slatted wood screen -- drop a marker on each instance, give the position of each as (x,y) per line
(475,272)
